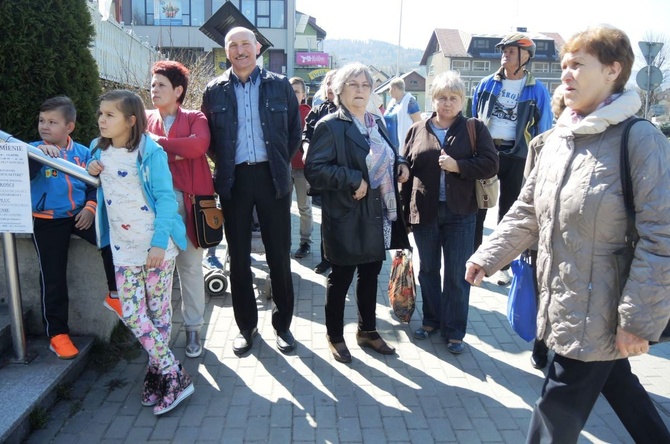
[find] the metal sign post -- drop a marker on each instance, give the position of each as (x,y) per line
(649,78)
(9,246)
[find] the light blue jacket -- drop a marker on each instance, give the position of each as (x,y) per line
(158,191)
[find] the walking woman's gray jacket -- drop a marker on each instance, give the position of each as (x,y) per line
(572,205)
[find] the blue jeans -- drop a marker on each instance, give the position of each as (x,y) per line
(445,308)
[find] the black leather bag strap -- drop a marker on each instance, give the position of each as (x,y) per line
(627,184)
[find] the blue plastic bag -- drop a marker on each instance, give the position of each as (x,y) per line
(522,304)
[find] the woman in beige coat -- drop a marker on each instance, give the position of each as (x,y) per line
(572,206)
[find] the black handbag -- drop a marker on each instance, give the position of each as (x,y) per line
(623,257)
(208,220)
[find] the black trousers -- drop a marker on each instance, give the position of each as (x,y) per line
(510,175)
(570,392)
(253,186)
(337,286)
(52,242)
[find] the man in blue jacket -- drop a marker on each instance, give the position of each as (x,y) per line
(255,127)
(515,107)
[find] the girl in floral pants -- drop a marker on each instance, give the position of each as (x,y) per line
(137,215)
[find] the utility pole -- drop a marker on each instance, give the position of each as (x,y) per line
(397,62)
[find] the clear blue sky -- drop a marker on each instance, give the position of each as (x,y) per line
(380,19)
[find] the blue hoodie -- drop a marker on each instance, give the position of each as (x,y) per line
(158,191)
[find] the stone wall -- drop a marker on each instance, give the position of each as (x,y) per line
(87,288)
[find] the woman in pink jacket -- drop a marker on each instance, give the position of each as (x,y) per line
(184,135)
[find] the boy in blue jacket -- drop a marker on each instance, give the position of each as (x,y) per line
(62,206)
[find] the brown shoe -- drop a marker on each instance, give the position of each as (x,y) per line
(339,350)
(374,341)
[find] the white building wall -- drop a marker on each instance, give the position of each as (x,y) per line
(122,56)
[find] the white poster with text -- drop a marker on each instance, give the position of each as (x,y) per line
(15,203)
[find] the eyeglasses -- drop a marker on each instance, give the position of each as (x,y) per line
(357,86)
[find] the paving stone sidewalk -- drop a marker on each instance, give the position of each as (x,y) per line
(422,395)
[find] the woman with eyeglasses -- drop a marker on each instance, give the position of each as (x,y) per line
(440,205)
(354,164)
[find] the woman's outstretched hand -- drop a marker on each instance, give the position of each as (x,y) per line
(474,273)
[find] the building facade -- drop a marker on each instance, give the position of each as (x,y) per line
(174,25)
(475,56)
(415,84)
(311,63)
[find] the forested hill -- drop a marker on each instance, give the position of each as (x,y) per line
(381,55)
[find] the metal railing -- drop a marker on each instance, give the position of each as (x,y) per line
(9,246)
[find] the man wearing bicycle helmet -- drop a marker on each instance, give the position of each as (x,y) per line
(515,108)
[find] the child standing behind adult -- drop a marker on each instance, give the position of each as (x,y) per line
(138,216)
(62,206)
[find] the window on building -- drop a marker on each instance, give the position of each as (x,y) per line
(460,65)
(481,43)
(263,13)
(542,46)
(278,14)
(556,67)
(197,13)
(248,9)
(216,4)
(139,13)
(540,67)
(481,65)
(431,70)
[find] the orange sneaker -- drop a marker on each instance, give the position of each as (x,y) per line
(113,304)
(63,347)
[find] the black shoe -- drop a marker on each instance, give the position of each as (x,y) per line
(323,266)
(244,341)
(285,341)
(302,251)
(339,350)
(539,357)
(374,341)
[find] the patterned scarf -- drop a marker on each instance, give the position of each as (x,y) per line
(576,118)
(380,162)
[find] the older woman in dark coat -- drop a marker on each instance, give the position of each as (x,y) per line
(352,161)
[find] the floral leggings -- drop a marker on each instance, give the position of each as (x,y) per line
(145,297)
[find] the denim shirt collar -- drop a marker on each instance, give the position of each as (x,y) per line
(253,77)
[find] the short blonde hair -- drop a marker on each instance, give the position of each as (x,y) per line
(448,81)
(398,84)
